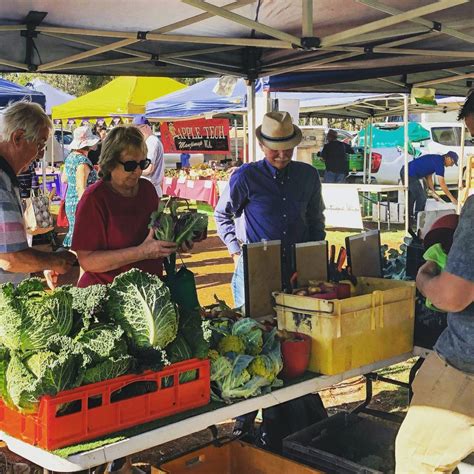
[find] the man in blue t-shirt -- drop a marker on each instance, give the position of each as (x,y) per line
(424,167)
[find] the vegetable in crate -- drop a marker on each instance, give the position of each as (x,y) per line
(29,316)
(141,304)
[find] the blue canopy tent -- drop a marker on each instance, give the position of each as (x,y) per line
(10,92)
(196,100)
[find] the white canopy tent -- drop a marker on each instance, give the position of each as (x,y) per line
(53,95)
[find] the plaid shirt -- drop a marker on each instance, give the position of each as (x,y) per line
(12,228)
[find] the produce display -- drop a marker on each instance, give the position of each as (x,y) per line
(199,171)
(245,356)
(54,341)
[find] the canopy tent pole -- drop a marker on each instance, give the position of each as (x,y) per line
(371,141)
(307,29)
(245,157)
(461,166)
(420,21)
(236,140)
(366,129)
(251,120)
(405,159)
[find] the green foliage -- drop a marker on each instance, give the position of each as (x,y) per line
(141,304)
(108,369)
(72,84)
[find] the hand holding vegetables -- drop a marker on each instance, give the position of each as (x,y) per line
(151,248)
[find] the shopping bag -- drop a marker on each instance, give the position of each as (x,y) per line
(37,216)
(62,220)
(181,283)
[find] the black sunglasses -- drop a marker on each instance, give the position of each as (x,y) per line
(133,165)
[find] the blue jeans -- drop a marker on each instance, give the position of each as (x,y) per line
(237,284)
(331,177)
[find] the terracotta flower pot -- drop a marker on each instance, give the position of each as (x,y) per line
(295,353)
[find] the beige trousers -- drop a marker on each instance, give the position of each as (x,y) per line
(438,431)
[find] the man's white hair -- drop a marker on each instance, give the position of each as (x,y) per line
(25,116)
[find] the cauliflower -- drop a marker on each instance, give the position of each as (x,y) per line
(263,367)
(231,344)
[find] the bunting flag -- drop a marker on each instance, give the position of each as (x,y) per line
(423,96)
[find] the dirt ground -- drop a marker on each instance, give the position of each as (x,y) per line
(213,269)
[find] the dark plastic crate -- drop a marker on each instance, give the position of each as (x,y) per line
(345,443)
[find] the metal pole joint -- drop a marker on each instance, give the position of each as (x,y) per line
(310,43)
(437,26)
(142,35)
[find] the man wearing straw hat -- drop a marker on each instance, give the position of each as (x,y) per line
(438,430)
(274,199)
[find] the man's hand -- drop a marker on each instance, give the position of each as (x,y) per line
(51,278)
(430,268)
(235,258)
(61,262)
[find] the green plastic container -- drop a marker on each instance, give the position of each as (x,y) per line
(356,162)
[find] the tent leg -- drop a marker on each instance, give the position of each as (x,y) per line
(251,121)
(461,166)
(405,153)
(236,140)
(245,151)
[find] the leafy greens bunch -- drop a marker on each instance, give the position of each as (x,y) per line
(245,359)
(177,226)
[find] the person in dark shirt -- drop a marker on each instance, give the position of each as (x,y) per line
(423,168)
(437,432)
(334,156)
(273,199)
(101,132)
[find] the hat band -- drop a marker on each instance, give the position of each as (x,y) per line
(283,139)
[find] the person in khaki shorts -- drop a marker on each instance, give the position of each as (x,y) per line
(438,431)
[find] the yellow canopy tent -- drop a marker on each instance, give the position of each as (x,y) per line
(122,96)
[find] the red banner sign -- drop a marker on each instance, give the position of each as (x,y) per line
(196,136)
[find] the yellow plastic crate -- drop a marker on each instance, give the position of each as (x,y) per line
(375,324)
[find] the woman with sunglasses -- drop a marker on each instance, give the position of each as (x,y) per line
(111,234)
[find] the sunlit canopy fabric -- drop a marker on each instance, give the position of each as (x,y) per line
(122,96)
(10,92)
(197,99)
(381,46)
(394,136)
(53,95)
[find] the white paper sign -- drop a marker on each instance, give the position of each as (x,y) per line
(168,180)
(182,179)
(190,184)
(207,184)
(342,206)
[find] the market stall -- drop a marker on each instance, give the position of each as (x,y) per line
(173,429)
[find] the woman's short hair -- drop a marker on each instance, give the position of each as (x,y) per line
(120,138)
(25,116)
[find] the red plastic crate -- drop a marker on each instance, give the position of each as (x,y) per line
(97,414)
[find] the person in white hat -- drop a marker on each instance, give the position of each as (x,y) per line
(80,173)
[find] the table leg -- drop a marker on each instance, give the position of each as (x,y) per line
(378,206)
(388,211)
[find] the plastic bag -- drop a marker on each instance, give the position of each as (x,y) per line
(38,219)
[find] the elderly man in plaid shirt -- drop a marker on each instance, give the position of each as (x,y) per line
(24,131)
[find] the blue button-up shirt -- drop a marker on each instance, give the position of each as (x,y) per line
(281,205)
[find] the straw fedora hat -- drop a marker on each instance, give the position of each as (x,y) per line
(278,132)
